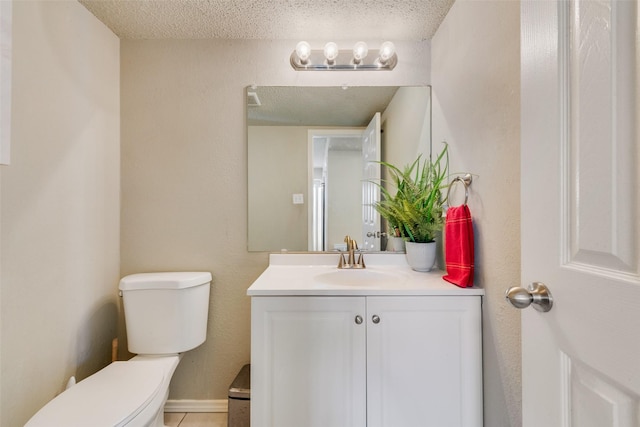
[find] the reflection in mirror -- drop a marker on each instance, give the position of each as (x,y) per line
(311,152)
(336,165)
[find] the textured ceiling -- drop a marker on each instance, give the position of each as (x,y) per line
(411,20)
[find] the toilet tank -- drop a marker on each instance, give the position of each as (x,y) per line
(165,313)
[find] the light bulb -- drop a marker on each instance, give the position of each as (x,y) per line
(331,52)
(387,50)
(303,50)
(360,51)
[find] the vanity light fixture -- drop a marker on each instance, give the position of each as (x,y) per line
(331,52)
(360,51)
(387,51)
(303,58)
(303,52)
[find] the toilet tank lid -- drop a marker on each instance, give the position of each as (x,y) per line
(165,280)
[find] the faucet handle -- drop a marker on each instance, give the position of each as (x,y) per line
(341,261)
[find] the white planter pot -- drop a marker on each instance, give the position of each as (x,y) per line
(421,256)
(395,244)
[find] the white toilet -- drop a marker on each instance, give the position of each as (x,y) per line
(166,315)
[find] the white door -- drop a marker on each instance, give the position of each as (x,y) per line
(371,192)
(424,361)
(580,203)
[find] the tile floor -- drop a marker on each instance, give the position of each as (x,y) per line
(195,419)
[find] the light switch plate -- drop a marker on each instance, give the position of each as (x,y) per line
(298,199)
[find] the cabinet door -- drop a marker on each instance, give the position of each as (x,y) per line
(424,362)
(308,362)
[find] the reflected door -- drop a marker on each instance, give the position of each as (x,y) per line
(370,191)
(580,201)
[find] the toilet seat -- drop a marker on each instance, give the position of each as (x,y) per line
(128,387)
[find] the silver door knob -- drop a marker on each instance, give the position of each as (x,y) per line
(376,234)
(537,295)
(375,319)
(358,320)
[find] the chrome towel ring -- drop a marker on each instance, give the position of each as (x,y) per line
(466,181)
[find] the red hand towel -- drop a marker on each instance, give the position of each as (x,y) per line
(459,246)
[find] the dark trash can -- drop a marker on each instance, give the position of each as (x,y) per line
(240,399)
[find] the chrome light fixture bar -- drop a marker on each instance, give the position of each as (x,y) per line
(303,58)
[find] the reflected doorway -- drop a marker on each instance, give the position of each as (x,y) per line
(336,173)
(342,164)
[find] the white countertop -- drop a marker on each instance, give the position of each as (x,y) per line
(317,274)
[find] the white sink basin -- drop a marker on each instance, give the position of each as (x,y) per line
(355,277)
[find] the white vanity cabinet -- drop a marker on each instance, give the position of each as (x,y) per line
(366,360)
(308,362)
(424,361)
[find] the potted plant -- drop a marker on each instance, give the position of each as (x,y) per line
(395,241)
(415,209)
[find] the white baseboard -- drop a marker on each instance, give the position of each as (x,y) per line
(187,405)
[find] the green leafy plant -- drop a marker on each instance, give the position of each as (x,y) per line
(414,211)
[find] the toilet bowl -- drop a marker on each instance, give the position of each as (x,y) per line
(165,315)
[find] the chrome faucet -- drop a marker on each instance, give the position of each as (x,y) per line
(352,247)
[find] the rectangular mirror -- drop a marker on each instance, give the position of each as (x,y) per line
(311,154)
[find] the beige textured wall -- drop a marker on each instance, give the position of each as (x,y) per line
(407,126)
(184,174)
(476,87)
(60,205)
(277,161)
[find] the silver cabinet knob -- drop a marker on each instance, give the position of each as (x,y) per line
(537,295)
(358,320)
(375,319)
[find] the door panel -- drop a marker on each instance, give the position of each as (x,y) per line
(580,207)
(600,59)
(595,401)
